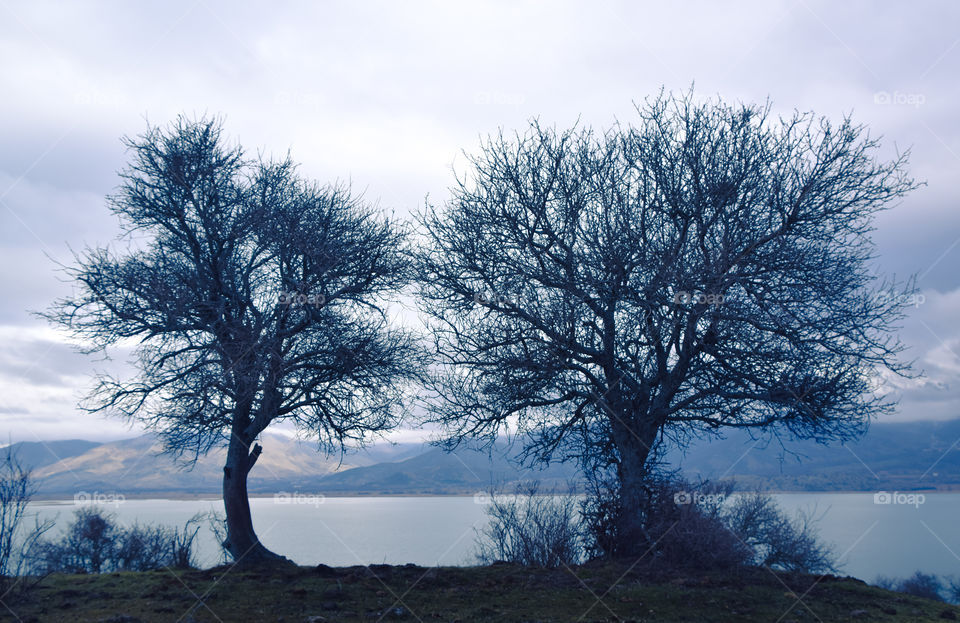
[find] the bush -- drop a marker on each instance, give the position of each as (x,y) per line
(775,540)
(919,584)
(687,527)
(599,512)
(91,541)
(217,524)
(16,539)
(683,525)
(533,528)
(142,548)
(181,543)
(953,590)
(94,543)
(705,526)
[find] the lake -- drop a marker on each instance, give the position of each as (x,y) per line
(893,535)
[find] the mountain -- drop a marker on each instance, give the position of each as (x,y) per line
(891,456)
(35,454)
(467,470)
(137,466)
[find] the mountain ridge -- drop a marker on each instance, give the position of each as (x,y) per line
(899,456)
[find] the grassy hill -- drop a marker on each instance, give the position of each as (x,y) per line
(502,593)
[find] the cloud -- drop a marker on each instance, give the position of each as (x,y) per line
(933,339)
(388,95)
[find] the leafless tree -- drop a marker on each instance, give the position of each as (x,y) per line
(17,537)
(708,266)
(251,296)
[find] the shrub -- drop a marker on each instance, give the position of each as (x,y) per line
(704,526)
(181,543)
(953,590)
(142,548)
(16,538)
(217,524)
(926,585)
(88,545)
(682,523)
(923,585)
(686,527)
(94,543)
(775,540)
(91,541)
(599,511)
(533,528)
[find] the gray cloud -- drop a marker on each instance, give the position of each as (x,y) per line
(387,95)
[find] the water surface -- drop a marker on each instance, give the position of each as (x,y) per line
(894,538)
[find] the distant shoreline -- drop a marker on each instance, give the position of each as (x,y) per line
(180,497)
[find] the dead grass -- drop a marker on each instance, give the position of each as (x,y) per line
(501,592)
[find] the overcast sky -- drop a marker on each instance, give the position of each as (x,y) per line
(389,95)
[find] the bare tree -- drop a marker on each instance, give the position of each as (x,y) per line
(251,296)
(16,536)
(706,267)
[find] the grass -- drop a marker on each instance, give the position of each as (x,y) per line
(502,592)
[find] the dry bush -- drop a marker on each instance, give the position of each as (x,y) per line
(705,526)
(16,536)
(95,543)
(926,585)
(776,540)
(533,528)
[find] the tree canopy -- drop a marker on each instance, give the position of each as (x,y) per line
(706,266)
(251,296)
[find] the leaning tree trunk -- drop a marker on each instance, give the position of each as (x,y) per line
(242,541)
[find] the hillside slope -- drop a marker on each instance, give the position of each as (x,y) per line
(892,456)
(36,454)
(502,593)
(135,466)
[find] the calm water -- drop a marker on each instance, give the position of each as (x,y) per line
(892,539)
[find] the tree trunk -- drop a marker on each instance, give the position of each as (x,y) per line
(634,445)
(242,541)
